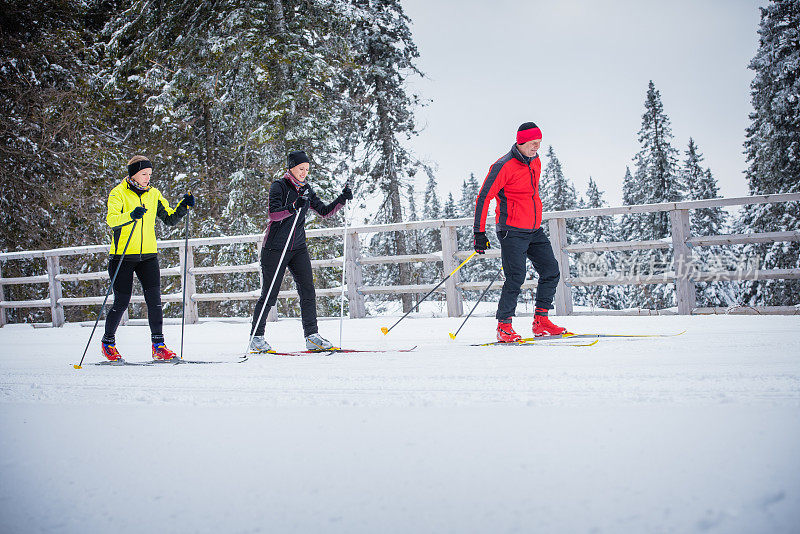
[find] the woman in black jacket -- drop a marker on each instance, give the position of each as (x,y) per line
(287,197)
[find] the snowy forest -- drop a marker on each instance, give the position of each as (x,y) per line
(218,93)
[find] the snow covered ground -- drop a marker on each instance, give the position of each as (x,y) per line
(694,433)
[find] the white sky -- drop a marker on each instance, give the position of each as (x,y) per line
(580,70)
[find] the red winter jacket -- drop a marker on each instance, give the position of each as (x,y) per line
(514,181)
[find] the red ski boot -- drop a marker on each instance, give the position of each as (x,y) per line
(543,327)
(161,352)
(110,352)
(505,332)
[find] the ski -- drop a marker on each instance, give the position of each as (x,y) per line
(570,335)
(120,363)
(334,350)
(179,361)
(530,343)
(173,361)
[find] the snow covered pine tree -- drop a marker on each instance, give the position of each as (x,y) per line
(773,149)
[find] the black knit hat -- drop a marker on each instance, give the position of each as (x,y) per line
(296,158)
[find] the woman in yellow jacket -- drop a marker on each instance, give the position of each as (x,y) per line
(134,200)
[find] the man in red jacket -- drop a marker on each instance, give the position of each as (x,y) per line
(513,181)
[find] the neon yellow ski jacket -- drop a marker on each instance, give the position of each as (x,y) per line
(121,202)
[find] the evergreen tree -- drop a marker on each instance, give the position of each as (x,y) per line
(469,194)
(431,238)
(657,180)
(601,227)
(216,94)
(431,209)
(413,236)
(477,269)
(656,165)
(591,264)
(382,109)
(700,184)
(711,221)
(772,147)
(58,150)
(466,208)
(219,98)
(223,91)
(412,205)
(632,225)
(558,193)
(449,211)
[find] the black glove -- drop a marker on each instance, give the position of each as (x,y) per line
(481,242)
(188,199)
(347,193)
(138,212)
(300,203)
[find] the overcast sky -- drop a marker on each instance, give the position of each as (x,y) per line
(580,70)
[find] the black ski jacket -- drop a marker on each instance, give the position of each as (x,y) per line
(282,195)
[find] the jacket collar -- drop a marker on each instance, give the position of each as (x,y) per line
(134,188)
(289,177)
(519,157)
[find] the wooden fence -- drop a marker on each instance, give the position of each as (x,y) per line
(680,241)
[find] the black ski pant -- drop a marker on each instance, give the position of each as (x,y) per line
(515,248)
(149,275)
(299,263)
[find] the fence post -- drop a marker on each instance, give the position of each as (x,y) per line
(191,313)
(682,261)
(3,316)
(455,305)
(558,239)
(354,276)
(56,309)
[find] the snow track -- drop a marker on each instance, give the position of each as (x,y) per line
(688,434)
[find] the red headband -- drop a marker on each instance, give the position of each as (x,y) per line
(528,135)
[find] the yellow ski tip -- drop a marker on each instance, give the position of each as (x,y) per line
(76,366)
(384,330)
(452,335)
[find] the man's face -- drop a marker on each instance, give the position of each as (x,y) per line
(300,171)
(530,148)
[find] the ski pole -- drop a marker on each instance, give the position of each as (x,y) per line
(274,277)
(110,289)
(452,335)
(387,330)
(344,266)
(183,282)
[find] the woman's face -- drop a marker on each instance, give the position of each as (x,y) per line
(300,171)
(142,178)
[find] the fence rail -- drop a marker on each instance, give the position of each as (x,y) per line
(681,242)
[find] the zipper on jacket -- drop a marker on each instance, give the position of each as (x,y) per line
(141,229)
(533,196)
